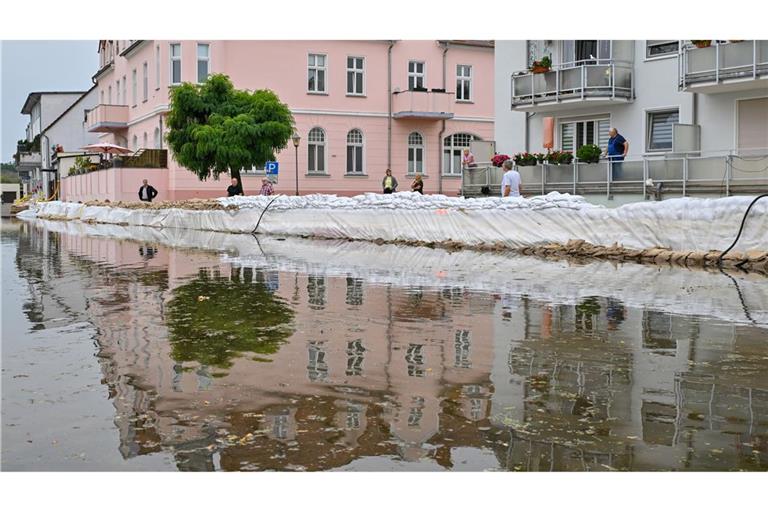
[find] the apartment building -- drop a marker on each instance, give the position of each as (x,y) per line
(696,118)
(360,107)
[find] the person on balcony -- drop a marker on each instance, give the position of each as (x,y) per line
(468,160)
(266,187)
(147,192)
(511,183)
(617,150)
(235,189)
(389,183)
(418,184)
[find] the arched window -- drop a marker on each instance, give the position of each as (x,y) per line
(453,149)
(145,141)
(415,153)
(316,148)
(135,143)
(355,152)
(157,138)
(109,96)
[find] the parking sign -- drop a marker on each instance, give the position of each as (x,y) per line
(271,168)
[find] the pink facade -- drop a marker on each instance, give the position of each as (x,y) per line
(378,108)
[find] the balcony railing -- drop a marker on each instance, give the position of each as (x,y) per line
(580,81)
(107,118)
(723,66)
(422,104)
(143,158)
(722,173)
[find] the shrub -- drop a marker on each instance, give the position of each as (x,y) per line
(589,153)
(524,159)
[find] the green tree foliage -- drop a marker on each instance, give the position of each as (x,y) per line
(215,128)
(213,320)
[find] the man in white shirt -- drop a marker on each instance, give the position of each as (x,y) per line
(511,184)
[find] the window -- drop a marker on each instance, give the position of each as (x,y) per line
(355,76)
(574,134)
(101,96)
(415,153)
(577,53)
(659,136)
(145,141)
(117,93)
(157,139)
(416,412)
(316,292)
(124,93)
(134,86)
(355,152)
(414,357)
(462,345)
(316,73)
(453,149)
(175,64)
(317,369)
(316,148)
(463,83)
(658,48)
(145,82)
(415,75)
(355,357)
(354,292)
(135,145)
(109,95)
(157,67)
(203,61)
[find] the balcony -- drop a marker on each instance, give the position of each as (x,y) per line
(108,118)
(573,85)
(724,67)
(422,104)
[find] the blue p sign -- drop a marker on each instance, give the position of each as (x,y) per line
(271,168)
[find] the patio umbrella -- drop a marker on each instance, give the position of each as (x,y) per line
(106,147)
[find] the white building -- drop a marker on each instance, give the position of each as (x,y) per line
(696,118)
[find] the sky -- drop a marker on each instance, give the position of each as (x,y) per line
(27,66)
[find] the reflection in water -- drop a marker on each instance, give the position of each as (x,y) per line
(369,371)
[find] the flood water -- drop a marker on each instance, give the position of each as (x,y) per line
(127,354)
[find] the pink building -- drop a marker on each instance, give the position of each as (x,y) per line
(360,107)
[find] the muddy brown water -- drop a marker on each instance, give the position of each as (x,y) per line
(125,355)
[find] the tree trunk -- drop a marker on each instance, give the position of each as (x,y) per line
(235,173)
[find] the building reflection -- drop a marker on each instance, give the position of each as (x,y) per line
(373,370)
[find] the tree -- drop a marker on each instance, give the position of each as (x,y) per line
(215,128)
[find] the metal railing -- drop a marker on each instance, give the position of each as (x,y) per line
(578,80)
(143,158)
(716,172)
(722,61)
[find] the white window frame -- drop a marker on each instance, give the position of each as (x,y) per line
(145,81)
(157,67)
(659,42)
(355,71)
(134,87)
(649,127)
(318,70)
(324,143)
(454,172)
(125,91)
(415,75)
(360,145)
(158,139)
(423,147)
(460,79)
(171,60)
(597,119)
(135,143)
(207,61)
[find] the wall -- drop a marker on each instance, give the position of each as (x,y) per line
(510,56)
(53,105)
(70,131)
(113,184)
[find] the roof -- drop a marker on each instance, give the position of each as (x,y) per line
(34,98)
(471,42)
(78,100)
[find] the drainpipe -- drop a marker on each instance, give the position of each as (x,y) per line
(389,104)
(442,130)
(528,116)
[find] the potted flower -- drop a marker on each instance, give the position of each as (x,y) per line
(589,153)
(524,159)
(498,160)
(560,157)
(540,157)
(701,43)
(541,66)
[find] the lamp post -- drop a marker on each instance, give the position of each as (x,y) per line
(296,140)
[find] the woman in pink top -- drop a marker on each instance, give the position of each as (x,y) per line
(468,160)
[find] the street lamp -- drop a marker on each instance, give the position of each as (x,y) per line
(296,140)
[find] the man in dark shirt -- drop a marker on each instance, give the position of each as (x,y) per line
(618,147)
(147,192)
(235,189)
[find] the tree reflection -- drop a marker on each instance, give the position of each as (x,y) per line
(212,320)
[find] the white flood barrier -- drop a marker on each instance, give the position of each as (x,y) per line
(679,224)
(733,297)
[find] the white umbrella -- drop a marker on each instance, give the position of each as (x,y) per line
(106,147)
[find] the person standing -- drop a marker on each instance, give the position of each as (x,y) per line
(389,183)
(511,183)
(468,160)
(235,189)
(266,187)
(418,184)
(147,192)
(617,150)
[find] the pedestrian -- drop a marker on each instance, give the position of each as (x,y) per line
(468,160)
(147,192)
(511,183)
(389,183)
(418,184)
(266,187)
(617,150)
(235,189)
